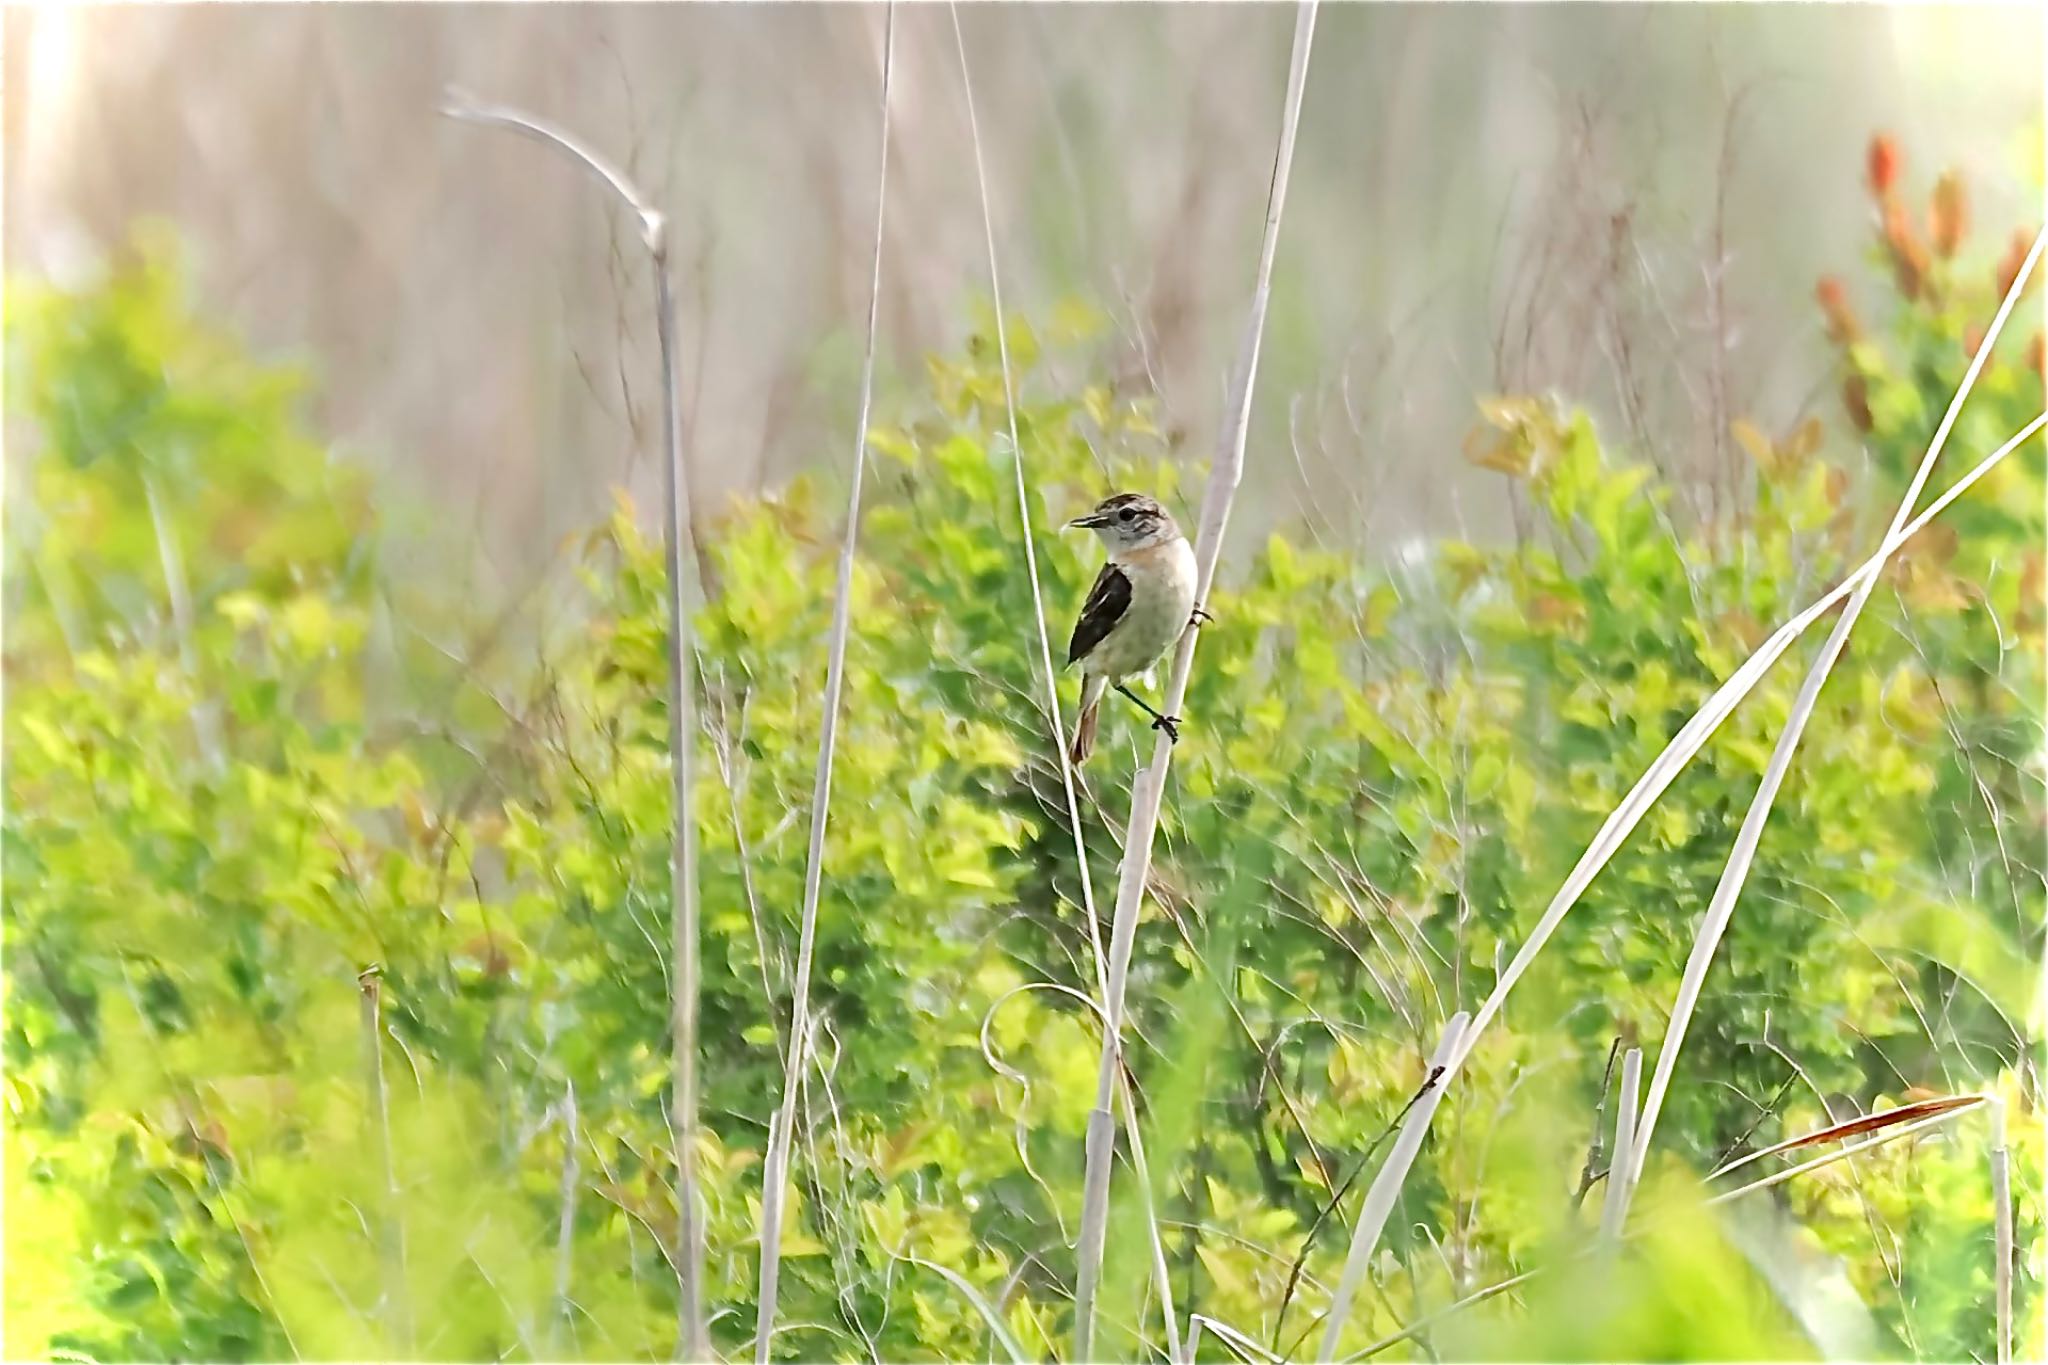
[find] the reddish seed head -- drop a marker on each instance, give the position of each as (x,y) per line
(1834,306)
(2037,356)
(1948,215)
(1883,166)
(1910,268)
(2015,257)
(1909,256)
(1856,398)
(1973,337)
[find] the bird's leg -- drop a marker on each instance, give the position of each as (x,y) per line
(1170,724)
(1201,615)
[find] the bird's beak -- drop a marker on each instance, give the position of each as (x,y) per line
(1088,523)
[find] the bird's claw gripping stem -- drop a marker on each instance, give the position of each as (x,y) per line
(1170,724)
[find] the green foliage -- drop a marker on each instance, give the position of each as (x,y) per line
(1385,776)
(150,422)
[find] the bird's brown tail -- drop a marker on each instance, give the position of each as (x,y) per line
(1084,732)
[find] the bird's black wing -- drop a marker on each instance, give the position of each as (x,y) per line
(1107,602)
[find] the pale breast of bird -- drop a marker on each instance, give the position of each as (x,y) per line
(1162,598)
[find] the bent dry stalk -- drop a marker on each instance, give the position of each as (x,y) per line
(1735,874)
(1939,1114)
(1694,735)
(692,1332)
(1840,1154)
(1666,766)
(1150,786)
(1386,1185)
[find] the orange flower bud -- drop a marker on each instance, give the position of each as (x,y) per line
(1948,215)
(1856,398)
(1883,166)
(1834,306)
(1909,257)
(1909,266)
(2015,257)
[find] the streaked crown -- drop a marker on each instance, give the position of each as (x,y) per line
(1128,521)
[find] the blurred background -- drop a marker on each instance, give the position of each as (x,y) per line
(1485,199)
(335,835)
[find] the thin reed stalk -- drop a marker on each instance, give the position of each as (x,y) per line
(1592,1171)
(1839,1154)
(1416,1328)
(1054,719)
(1848,1128)
(1614,831)
(1051,676)
(397,1314)
(1386,1187)
(2001,1214)
(1162,1277)
(205,727)
(1238,1343)
(1735,874)
(684,936)
(1667,765)
(1939,1115)
(1692,737)
(565,1225)
(1619,1174)
(775,1170)
(694,1342)
(1150,787)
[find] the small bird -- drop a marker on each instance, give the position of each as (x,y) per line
(1141,602)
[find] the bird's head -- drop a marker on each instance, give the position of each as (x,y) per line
(1129,521)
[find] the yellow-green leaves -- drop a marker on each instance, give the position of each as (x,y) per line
(1380,780)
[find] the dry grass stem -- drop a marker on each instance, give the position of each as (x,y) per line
(1694,735)
(1856,1127)
(1386,1186)
(1054,720)
(565,1226)
(2001,1213)
(1416,1328)
(1619,1174)
(775,1169)
(397,1315)
(1149,788)
(1050,674)
(680,558)
(1843,1154)
(1893,1122)
(205,727)
(1736,872)
(1242,1346)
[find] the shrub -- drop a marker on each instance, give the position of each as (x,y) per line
(1384,777)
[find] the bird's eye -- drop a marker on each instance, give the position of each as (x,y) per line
(1125,515)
